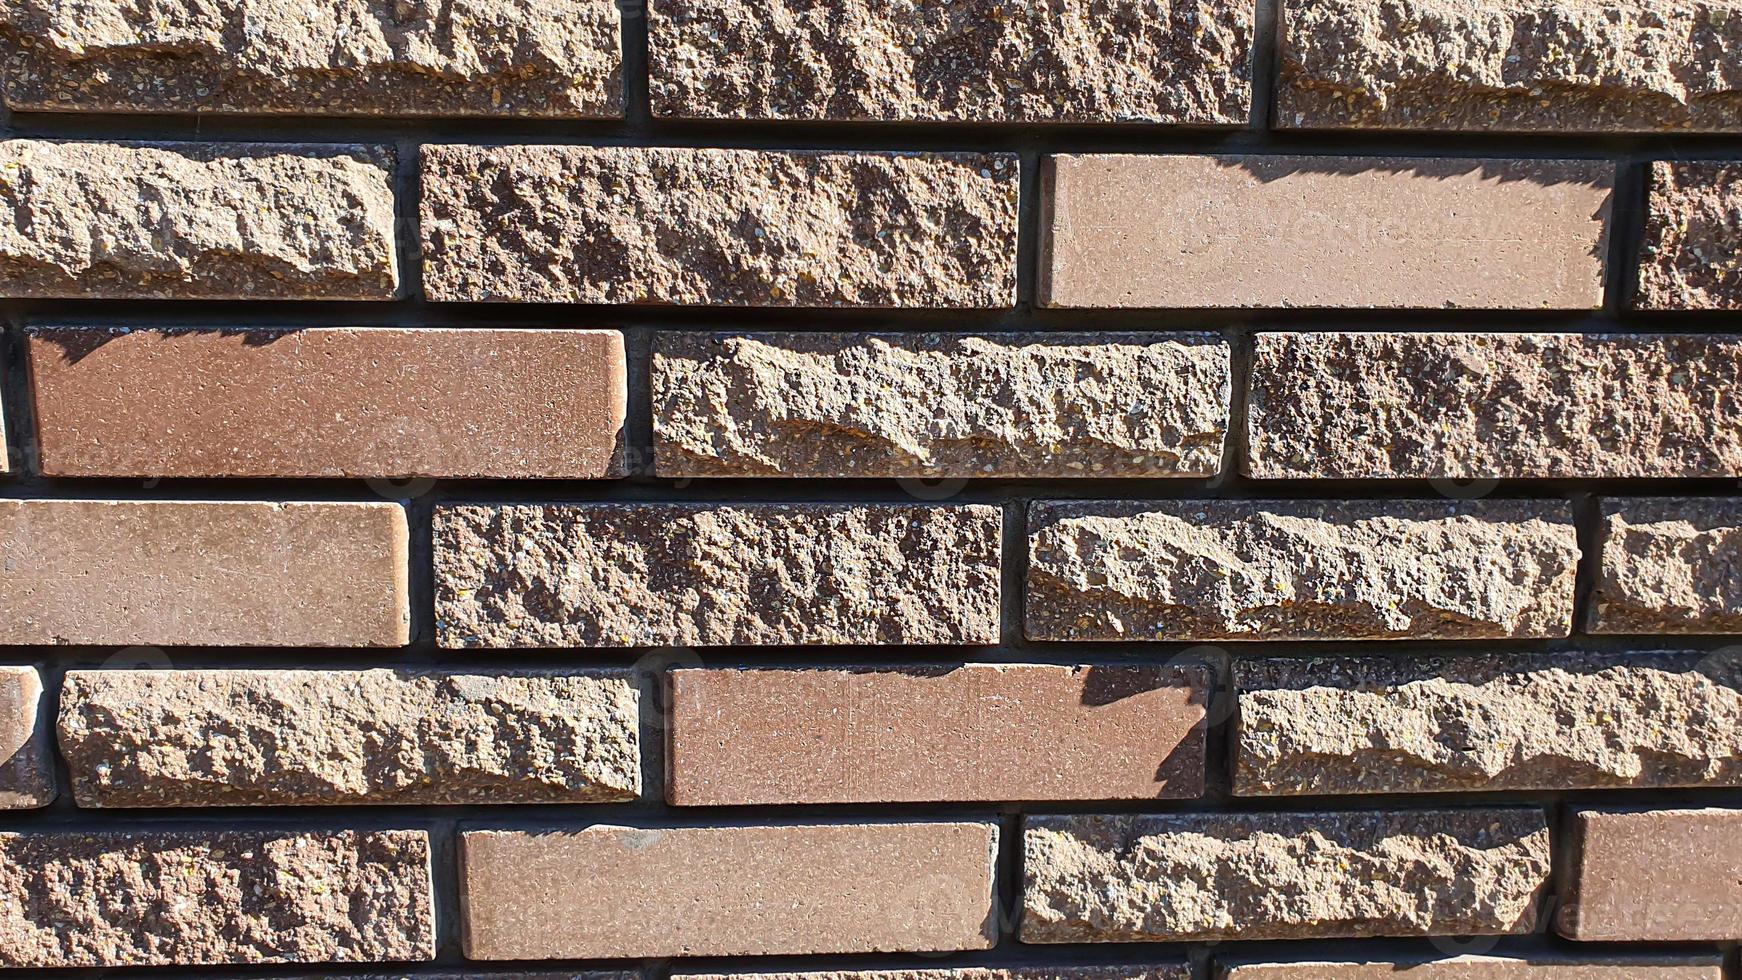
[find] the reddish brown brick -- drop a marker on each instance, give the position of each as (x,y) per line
(727,891)
(1657,876)
(974,732)
(27,777)
(1534,965)
(507,404)
(1691,256)
(168,573)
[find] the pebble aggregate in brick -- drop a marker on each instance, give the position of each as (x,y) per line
(616,575)
(196,221)
(189,898)
(1468,406)
(361,57)
(300,737)
(940,405)
(718,227)
(1532,965)
(1213,876)
(1669,565)
(1326,726)
(1182,61)
(1671,875)
(1308,570)
(27,778)
(1563,66)
(1691,256)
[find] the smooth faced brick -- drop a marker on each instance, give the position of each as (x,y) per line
(979,732)
(940,405)
(1170,971)
(1510,65)
(175,573)
(27,778)
(196,221)
(353,57)
(619,575)
(302,737)
(1659,876)
(1291,231)
(711,227)
(1691,257)
(504,404)
(1339,725)
(1471,406)
(1534,965)
(1215,876)
(969,61)
(191,898)
(1300,570)
(1669,565)
(727,891)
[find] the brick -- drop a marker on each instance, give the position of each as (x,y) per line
(727,891)
(308,737)
(190,573)
(477,975)
(1509,66)
(974,61)
(1251,231)
(977,732)
(617,575)
(1341,725)
(196,898)
(1659,876)
(196,221)
(1214,876)
(1534,965)
(712,227)
(6,447)
(940,405)
(1168,971)
(27,778)
(1689,258)
(350,57)
(1486,405)
(1300,570)
(505,404)
(1669,565)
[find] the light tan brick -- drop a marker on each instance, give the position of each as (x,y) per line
(1691,258)
(1167,971)
(27,778)
(1669,565)
(1534,965)
(1653,876)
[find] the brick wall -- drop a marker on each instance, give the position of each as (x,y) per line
(846,490)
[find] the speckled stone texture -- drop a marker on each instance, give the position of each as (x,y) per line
(1304,570)
(1167,971)
(27,778)
(1174,61)
(1511,65)
(1669,565)
(186,221)
(199,898)
(364,57)
(1213,876)
(1533,964)
(615,575)
(1468,406)
(940,405)
(578,224)
(1326,726)
(1691,258)
(300,737)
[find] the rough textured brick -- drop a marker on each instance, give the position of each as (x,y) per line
(367,57)
(26,771)
(610,575)
(509,404)
(940,405)
(1534,965)
(1169,971)
(169,573)
(1511,65)
(196,221)
(297,737)
(1344,570)
(1474,405)
(1669,565)
(1183,61)
(579,224)
(1659,876)
(1213,876)
(1324,726)
(1690,258)
(193,897)
(727,891)
(1231,231)
(973,732)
